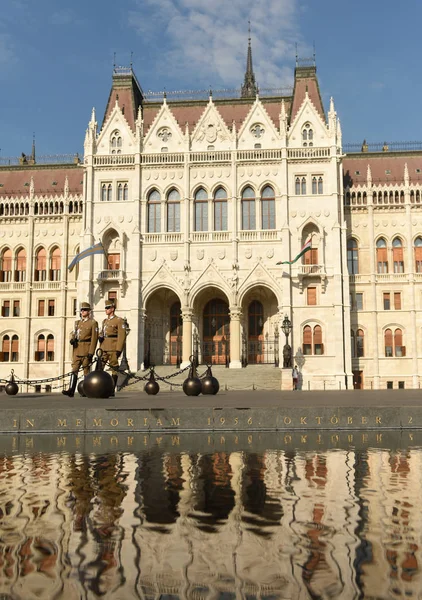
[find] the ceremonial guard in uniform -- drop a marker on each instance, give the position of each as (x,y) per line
(112,338)
(84,339)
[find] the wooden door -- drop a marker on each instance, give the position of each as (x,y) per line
(176,329)
(358,380)
(216,322)
(255,333)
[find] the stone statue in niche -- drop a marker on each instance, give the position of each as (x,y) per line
(287,356)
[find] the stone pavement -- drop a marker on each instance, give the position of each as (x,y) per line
(227,411)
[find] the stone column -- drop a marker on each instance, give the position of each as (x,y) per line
(235,362)
(140,350)
(187,314)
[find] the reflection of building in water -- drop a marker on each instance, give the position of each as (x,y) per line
(391,529)
(276,524)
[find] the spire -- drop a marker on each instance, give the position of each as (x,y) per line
(249,87)
(33,149)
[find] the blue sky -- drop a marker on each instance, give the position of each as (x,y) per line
(56,59)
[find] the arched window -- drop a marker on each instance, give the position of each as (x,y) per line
(20,272)
(6,265)
(268,208)
(115,142)
(55,264)
(103,193)
(120,191)
(382,260)
(14,349)
(352,343)
(173,211)
(50,347)
(360,348)
(307,135)
(307,340)
(154,211)
(40,351)
(220,210)
(303,186)
(418,254)
(297,186)
(352,256)
(320,185)
(388,342)
(398,261)
(248,209)
(399,349)
(125,192)
(5,349)
(317,339)
(314,185)
(41,265)
(109,193)
(201,210)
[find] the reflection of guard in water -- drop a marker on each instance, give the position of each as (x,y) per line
(112,338)
(84,339)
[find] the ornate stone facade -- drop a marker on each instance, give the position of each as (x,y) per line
(196,202)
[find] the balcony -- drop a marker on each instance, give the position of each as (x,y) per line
(391,277)
(307,153)
(261,235)
(110,275)
(12,285)
(163,238)
(114,160)
(46,285)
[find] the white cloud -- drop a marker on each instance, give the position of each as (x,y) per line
(8,55)
(205,42)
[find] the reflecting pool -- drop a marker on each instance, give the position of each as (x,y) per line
(169,520)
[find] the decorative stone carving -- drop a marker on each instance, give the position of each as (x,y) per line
(200,253)
(153,255)
(270,252)
(173,254)
(257,130)
(248,253)
(221,253)
(164,134)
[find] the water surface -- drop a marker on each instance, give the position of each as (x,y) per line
(262,523)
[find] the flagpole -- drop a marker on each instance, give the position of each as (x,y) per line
(105,252)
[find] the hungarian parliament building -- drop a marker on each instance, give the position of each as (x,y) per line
(196,199)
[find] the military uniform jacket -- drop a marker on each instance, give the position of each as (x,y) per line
(114,333)
(86,334)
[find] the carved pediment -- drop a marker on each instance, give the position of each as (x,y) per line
(211,131)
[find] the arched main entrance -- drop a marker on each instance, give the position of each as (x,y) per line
(176,334)
(216,333)
(256,333)
(260,327)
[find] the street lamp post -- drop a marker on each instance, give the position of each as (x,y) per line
(124,365)
(286,328)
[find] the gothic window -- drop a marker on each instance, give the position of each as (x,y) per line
(164,134)
(314,185)
(297,186)
(248,209)
(50,347)
(360,347)
(307,135)
(320,185)
(41,265)
(312,340)
(398,261)
(115,143)
(122,191)
(317,340)
(303,186)
(173,211)
(268,208)
(20,272)
(55,264)
(5,349)
(307,340)
(257,130)
(6,265)
(113,261)
(382,260)
(418,254)
(40,351)
(220,210)
(14,350)
(352,256)
(393,343)
(106,192)
(353,343)
(154,212)
(201,210)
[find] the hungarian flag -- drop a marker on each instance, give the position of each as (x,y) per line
(304,249)
(95,249)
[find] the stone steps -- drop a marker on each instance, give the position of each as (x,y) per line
(253,377)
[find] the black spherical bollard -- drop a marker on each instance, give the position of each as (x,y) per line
(98,384)
(12,387)
(192,386)
(81,390)
(209,383)
(151,387)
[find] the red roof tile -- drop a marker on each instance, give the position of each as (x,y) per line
(306,81)
(385,168)
(15,181)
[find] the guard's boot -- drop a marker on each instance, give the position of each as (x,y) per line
(114,378)
(72,386)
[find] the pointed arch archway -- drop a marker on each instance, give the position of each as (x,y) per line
(163,328)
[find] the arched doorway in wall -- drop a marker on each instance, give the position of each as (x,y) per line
(163,329)
(216,333)
(176,334)
(260,327)
(256,333)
